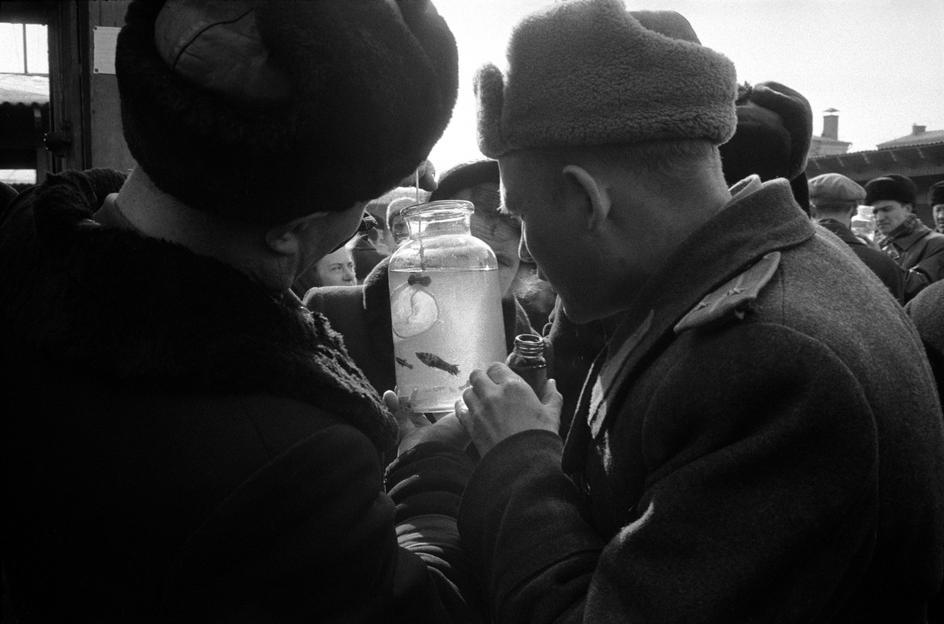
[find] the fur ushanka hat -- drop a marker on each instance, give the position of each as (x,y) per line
(266,110)
(773,136)
(587,72)
(893,187)
(936,193)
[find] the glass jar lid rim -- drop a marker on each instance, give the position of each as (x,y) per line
(440,206)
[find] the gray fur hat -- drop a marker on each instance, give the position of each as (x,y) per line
(587,72)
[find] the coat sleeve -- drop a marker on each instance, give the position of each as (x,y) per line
(747,511)
(930,269)
(312,536)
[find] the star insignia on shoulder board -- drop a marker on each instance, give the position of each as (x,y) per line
(733,299)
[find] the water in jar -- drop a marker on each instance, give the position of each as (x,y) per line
(446,323)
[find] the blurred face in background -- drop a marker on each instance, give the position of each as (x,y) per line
(938,212)
(336,269)
(889,214)
(501,232)
(396,225)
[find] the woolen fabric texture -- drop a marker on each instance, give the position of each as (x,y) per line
(785,466)
(180,444)
(886,269)
(926,312)
(892,187)
(372,89)
(621,78)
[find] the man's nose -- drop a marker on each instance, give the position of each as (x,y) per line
(349,275)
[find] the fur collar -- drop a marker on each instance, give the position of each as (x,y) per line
(150,315)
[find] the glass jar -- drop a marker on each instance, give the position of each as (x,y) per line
(445,306)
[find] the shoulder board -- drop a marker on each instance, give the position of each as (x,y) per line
(733,299)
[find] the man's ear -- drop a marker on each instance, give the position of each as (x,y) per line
(597,195)
(283,239)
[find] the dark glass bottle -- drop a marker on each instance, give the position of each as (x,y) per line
(527,359)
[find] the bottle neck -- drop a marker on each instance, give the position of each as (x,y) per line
(530,345)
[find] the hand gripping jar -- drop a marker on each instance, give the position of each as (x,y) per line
(445,306)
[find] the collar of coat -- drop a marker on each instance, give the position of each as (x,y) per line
(844,234)
(148,314)
(745,231)
(751,226)
(906,234)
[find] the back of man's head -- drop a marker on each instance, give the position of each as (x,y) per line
(265,111)
(936,194)
(833,195)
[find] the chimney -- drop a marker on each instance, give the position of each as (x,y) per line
(831,124)
(916,129)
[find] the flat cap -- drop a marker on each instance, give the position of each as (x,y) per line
(835,187)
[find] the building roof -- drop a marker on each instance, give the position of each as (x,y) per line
(829,141)
(914,139)
(24,89)
(911,160)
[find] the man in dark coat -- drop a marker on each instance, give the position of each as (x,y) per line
(771,140)
(913,245)
(747,447)
(182,439)
(834,198)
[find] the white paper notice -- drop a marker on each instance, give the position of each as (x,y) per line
(104,41)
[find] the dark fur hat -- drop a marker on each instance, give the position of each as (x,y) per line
(893,187)
(466,175)
(936,194)
(774,130)
(372,86)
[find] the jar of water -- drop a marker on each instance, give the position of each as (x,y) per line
(445,306)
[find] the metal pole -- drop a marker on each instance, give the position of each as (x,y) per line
(25,62)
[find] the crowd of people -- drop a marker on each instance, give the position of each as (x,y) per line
(743,421)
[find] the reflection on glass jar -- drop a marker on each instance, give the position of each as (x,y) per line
(445,306)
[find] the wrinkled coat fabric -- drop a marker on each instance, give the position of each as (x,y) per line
(787,466)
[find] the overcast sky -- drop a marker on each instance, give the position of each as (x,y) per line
(880,62)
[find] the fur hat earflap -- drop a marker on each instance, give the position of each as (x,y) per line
(266,110)
(621,78)
(774,131)
(894,187)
